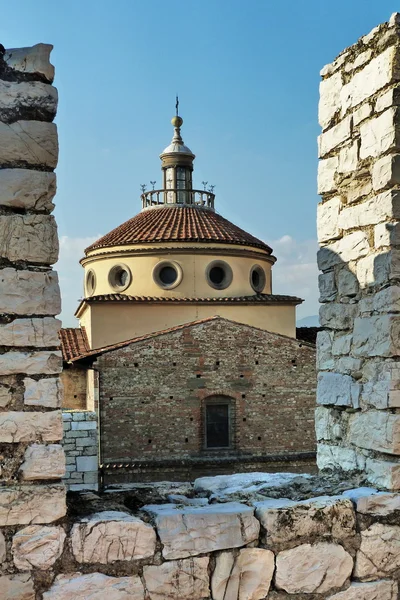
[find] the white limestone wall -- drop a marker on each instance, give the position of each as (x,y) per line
(80,447)
(358,414)
(32,459)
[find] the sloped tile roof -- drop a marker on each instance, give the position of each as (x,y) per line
(74,342)
(178,224)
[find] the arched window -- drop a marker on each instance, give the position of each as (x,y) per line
(218,421)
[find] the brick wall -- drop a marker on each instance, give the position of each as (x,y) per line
(80,447)
(153,393)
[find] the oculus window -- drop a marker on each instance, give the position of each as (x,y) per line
(167,274)
(119,277)
(257,278)
(219,274)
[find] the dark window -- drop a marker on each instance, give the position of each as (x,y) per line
(217,426)
(217,275)
(168,275)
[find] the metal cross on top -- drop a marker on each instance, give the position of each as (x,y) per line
(177,104)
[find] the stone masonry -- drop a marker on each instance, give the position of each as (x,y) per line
(80,447)
(32,459)
(358,397)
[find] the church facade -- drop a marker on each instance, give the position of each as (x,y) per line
(187,356)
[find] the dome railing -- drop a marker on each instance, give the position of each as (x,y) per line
(188,197)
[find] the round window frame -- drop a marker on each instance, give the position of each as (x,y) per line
(263,275)
(226,282)
(167,263)
(112,278)
(90,289)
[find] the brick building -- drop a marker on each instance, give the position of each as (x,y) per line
(190,360)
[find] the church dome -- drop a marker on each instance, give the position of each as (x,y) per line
(178,224)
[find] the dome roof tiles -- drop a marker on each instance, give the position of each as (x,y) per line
(178,224)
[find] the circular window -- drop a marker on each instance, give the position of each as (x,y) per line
(90,282)
(219,274)
(257,278)
(167,274)
(120,277)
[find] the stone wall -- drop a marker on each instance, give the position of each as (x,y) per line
(224,538)
(358,417)
(268,379)
(32,459)
(80,448)
(74,382)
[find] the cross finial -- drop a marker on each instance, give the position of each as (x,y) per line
(177,104)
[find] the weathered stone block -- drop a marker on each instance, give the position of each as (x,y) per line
(351,247)
(190,531)
(29,237)
(327,287)
(27,189)
(30,332)
(37,98)
(376,210)
(380,134)
(27,504)
(29,426)
(376,336)
(384,301)
(45,392)
(384,474)
(31,363)
(378,73)
(337,316)
(387,234)
(286,526)
(328,219)
(376,590)
(111,536)
(43,462)
(386,172)
(326,175)
(342,344)
(337,389)
(178,579)
(329,100)
(17,587)
(324,350)
(330,425)
(34,59)
(375,430)
(37,547)
(362,113)
(380,504)
(379,553)
(95,586)
(29,293)
(334,137)
(24,143)
(335,457)
(348,158)
(382,380)
(313,569)
(378,268)
(347,283)
(248,577)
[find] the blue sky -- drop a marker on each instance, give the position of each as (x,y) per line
(247,74)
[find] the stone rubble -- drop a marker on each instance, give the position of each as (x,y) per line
(37,546)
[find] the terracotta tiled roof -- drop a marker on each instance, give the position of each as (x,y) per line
(254,299)
(178,224)
(74,342)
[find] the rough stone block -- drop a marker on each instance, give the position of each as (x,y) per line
(335,457)
(178,579)
(362,113)
(27,189)
(337,389)
(324,350)
(379,553)
(378,73)
(329,424)
(32,238)
(353,246)
(95,586)
(328,219)
(375,430)
(334,137)
(348,158)
(375,590)
(380,504)
(190,530)
(342,344)
(313,569)
(337,316)
(286,526)
(389,98)
(376,336)
(37,547)
(382,381)
(29,292)
(30,426)
(17,99)
(111,536)
(380,134)
(30,332)
(329,100)
(387,234)
(384,301)
(34,59)
(2,548)
(33,143)
(17,587)
(386,172)
(384,474)
(347,283)
(326,175)
(31,363)
(27,504)
(246,577)
(45,392)
(327,287)
(376,210)
(43,462)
